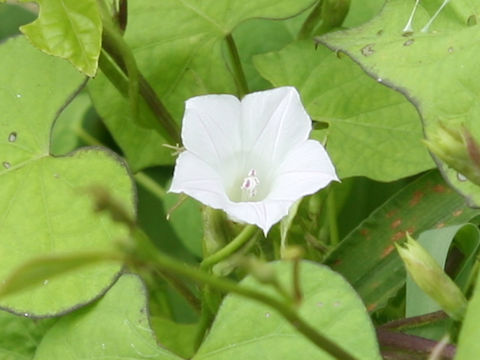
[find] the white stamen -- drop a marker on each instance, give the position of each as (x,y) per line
(250,183)
(408,28)
(427,27)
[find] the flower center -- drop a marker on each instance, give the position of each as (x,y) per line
(249,184)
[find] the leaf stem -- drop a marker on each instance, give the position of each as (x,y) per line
(228,286)
(151,185)
(311,22)
(116,47)
(239,74)
(240,240)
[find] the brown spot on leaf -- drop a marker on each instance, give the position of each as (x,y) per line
(439,188)
(411,230)
(391,213)
(371,307)
(388,250)
(396,223)
(398,235)
(417,196)
(440,225)
(337,262)
(457,212)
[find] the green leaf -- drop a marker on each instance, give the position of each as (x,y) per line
(115,327)
(468,345)
(186,220)
(44,208)
(21,336)
(181,56)
(436,69)
(177,337)
(68,126)
(437,243)
(424,204)
(373,131)
(362,11)
(69,29)
(13,17)
(244,329)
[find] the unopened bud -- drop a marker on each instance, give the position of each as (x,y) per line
(431,278)
(458,149)
(260,270)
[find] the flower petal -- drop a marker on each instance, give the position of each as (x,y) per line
(198,179)
(273,122)
(210,127)
(305,170)
(264,214)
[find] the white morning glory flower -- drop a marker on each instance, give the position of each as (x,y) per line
(251,158)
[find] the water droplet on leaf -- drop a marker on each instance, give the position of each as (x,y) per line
(12,137)
(6,165)
(461,177)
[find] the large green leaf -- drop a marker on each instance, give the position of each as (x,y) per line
(20,336)
(44,208)
(437,70)
(424,204)
(116,327)
(178,47)
(373,131)
(69,29)
(468,344)
(245,329)
(13,17)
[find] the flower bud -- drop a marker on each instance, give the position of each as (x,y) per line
(431,278)
(458,149)
(260,270)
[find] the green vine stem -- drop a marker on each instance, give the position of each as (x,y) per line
(400,343)
(311,22)
(145,251)
(124,61)
(112,38)
(239,74)
(229,249)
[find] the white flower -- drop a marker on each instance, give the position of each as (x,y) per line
(250,158)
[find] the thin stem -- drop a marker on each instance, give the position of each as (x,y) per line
(290,314)
(408,27)
(416,321)
(112,38)
(122,15)
(113,73)
(151,185)
(241,239)
(417,344)
(238,72)
(297,290)
(311,22)
(332,217)
(116,47)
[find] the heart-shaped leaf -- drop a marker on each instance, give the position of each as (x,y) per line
(245,329)
(44,208)
(435,67)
